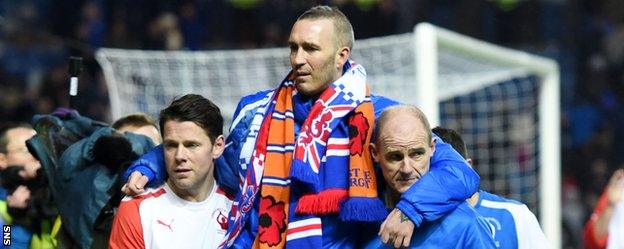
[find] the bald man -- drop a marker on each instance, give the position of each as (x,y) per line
(403,148)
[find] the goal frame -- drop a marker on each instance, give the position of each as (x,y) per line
(429,38)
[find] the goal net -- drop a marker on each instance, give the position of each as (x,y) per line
(503,102)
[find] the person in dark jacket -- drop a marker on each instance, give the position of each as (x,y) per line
(83,160)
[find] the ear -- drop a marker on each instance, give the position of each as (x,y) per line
(3,161)
(218,147)
(342,55)
(433,145)
(470,162)
(374,152)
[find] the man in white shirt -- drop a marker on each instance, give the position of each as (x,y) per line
(190,202)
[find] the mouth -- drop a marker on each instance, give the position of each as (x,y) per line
(181,171)
(407,179)
(301,74)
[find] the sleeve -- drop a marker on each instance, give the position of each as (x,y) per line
(530,234)
(127,232)
(228,169)
(227,166)
(449,182)
(150,164)
(616,226)
(589,237)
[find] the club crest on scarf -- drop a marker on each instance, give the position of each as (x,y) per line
(312,136)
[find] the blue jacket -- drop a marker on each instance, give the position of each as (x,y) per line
(448,184)
(461,228)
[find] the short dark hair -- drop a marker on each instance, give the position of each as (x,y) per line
(343,30)
(135,120)
(453,138)
(197,109)
(4,136)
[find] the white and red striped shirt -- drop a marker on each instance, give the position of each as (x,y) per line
(161,219)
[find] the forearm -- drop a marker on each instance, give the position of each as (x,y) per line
(450,182)
(152,165)
(601,226)
(437,193)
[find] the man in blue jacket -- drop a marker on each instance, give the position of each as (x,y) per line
(513,224)
(320,115)
(403,146)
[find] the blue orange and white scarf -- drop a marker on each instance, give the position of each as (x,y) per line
(327,166)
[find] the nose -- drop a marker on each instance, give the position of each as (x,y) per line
(181,154)
(405,166)
(408,166)
(297,58)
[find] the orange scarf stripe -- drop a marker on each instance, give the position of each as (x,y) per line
(283,172)
(278,164)
(364,163)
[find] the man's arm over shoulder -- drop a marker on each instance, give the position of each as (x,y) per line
(127,231)
(449,183)
(151,165)
(228,169)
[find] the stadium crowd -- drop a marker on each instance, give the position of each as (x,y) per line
(585,37)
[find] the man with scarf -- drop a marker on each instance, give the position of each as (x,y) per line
(296,156)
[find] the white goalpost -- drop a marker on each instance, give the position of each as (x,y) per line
(496,64)
(504,102)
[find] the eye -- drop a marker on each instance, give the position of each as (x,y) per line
(416,153)
(293,48)
(192,145)
(394,157)
(169,145)
(311,48)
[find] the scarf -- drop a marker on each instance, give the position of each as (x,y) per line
(327,167)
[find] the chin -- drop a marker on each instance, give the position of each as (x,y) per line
(403,188)
(301,87)
(182,184)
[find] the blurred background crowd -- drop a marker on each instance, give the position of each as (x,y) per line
(585,37)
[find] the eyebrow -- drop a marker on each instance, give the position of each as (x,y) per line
(420,149)
(181,142)
(304,44)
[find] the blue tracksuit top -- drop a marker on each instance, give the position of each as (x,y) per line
(449,182)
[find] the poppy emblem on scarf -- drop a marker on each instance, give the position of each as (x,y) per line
(272,221)
(358,128)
